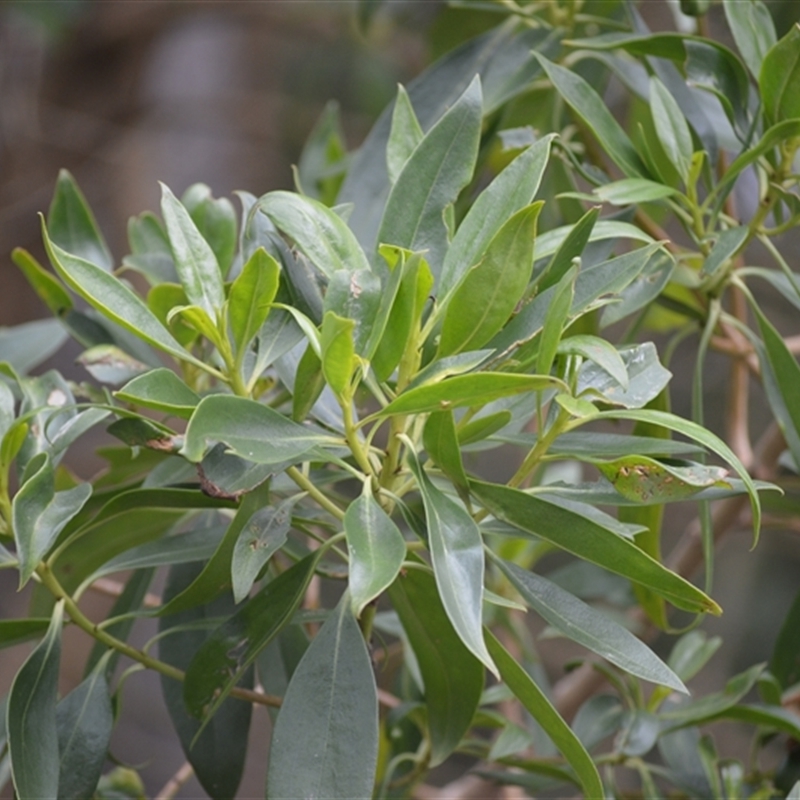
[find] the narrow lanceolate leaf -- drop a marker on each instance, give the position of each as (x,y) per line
(537,704)
(73,226)
(250,297)
(779,79)
(599,351)
(376,548)
(195,261)
(44,283)
(162,390)
(85,720)
(487,294)
(432,178)
(40,513)
(452,676)
(457,554)
(592,109)
(404,137)
(508,193)
(590,541)
(331,711)
(250,429)
(338,352)
(477,388)
(441,442)
(554,321)
(753,31)
(590,628)
(31,717)
(318,232)
(113,299)
(671,128)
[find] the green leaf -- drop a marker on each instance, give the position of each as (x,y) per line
(322,164)
(196,317)
(250,297)
(592,110)
(404,137)
(40,513)
(85,721)
(475,388)
(260,538)
(441,442)
(487,294)
(338,353)
(27,345)
(692,652)
(456,550)
(250,429)
(554,321)
(483,427)
(779,78)
(510,192)
(73,226)
(671,128)
(150,253)
(46,285)
(753,31)
(195,262)
(331,706)
(785,661)
(356,295)
(590,628)
(537,704)
(453,677)
(31,717)
(14,631)
(432,178)
(590,541)
(318,232)
(217,754)
(232,647)
(309,382)
(600,352)
(215,220)
(113,299)
(376,547)
(162,390)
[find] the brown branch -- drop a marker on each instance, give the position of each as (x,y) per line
(173,785)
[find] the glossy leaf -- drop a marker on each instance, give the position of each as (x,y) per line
(477,388)
(215,220)
(487,294)
(162,390)
(404,137)
(456,550)
(510,192)
(590,628)
(85,720)
(217,754)
(356,295)
(432,178)
(331,706)
(452,676)
(251,296)
(31,717)
(73,226)
(195,262)
(376,548)
(671,128)
(537,704)
(586,539)
(598,351)
(441,442)
(753,31)
(250,429)
(779,78)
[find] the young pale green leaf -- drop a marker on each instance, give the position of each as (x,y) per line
(452,676)
(85,721)
(31,717)
(331,706)
(554,321)
(537,704)
(511,191)
(671,128)
(475,388)
(198,319)
(309,381)
(376,547)
(600,352)
(318,232)
(73,226)
(779,78)
(232,647)
(441,442)
(195,262)
(458,564)
(40,513)
(590,628)
(217,754)
(338,352)
(592,109)
(590,541)
(162,390)
(404,137)
(215,219)
(250,429)
(260,538)
(440,166)
(251,296)
(487,294)
(483,427)
(356,295)
(44,283)
(570,248)
(753,31)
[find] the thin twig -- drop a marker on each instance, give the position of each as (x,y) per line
(173,785)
